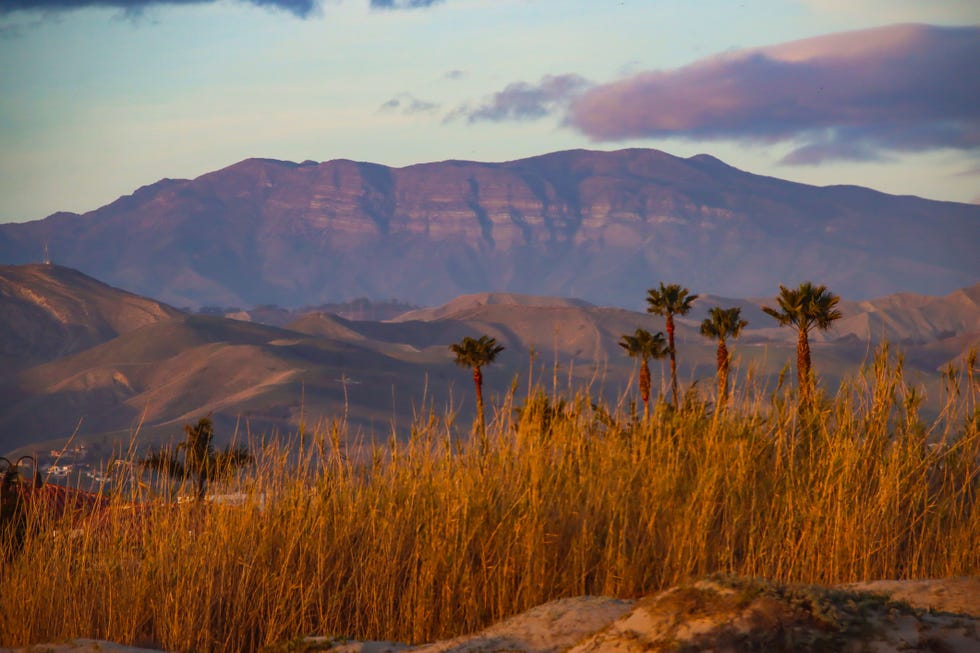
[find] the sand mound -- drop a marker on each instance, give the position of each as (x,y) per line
(717,614)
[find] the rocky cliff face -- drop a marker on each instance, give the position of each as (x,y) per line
(603,226)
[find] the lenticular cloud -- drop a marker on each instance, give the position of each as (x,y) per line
(854,95)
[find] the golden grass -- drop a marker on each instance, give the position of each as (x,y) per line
(441,535)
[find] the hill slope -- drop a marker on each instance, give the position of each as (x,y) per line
(141,364)
(49,311)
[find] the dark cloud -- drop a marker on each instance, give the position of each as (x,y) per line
(301,8)
(854,95)
(403,4)
(408,104)
(524,101)
(455,74)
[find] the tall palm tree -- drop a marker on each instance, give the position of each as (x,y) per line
(476,354)
(670,301)
(805,308)
(200,462)
(644,345)
(720,324)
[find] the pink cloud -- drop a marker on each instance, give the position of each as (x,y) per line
(853,95)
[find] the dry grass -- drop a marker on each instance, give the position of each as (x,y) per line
(441,535)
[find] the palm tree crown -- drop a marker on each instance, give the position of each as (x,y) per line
(805,308)
(476,353)
(644,345)
(721,324)
(668,301)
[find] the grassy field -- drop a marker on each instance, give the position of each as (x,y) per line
(445,534)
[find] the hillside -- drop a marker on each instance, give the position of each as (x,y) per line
(49,311)
(595,225)
(144,366)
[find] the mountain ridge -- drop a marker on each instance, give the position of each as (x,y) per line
(601,226)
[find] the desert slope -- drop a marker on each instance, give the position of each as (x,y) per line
(140,365)
(48,311)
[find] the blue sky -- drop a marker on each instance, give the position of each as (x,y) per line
(99,97)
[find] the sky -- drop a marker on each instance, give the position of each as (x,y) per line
(100,97)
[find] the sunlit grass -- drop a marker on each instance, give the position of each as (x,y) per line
(442,535)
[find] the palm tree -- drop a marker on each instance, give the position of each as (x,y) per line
(670,301)
(644,345)
(13,508)
(200,461)
(720,324)
(805,308)
(476,354)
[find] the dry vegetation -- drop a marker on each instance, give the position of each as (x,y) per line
(443,535)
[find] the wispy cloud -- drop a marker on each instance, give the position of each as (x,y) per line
(408,104)
(301,8)
(854,95)
(403,4)
(524,101)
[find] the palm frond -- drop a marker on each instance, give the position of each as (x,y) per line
(476,352)
(668,300)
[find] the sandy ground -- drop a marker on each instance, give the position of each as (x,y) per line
(709,615)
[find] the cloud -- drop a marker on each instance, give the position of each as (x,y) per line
(301,8)
(407,104)
(403,4)
(455,74)
(524,101)
(853,95)
(973,171)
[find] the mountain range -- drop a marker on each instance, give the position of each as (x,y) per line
(88,361)
(601,226)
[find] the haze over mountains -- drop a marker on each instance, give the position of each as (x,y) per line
(602,226)
(83,356)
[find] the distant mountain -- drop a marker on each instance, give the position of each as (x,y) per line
(105,364)
(602,226)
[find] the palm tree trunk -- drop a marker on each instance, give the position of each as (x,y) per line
(645,388)
(478,382)
(803,366)
(722,372)
(202,484)
(673,361)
